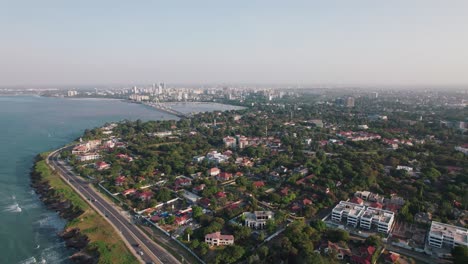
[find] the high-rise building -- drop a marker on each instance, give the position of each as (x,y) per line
(350,102)
(161,88)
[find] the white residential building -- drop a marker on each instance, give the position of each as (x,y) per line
(375,217)
(406,168)
(449,235)
(216,239)
(257,219)
(230,142)
(351,211)
(363,216)
(88,156)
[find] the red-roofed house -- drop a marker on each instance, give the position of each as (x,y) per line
(220,195)
(341,252)
(216,239)
(182,182)
(376,205)
(359,260)
(224,176)
(180,220)
(306,202)
(258,184)
(155,218)
(205,202)
(214,172)
(238,174)
(119,181)
(367,251)
(392,257)
(285,191)
(129,191)
(145,196)
(199,188)
(357,200)
(101,165)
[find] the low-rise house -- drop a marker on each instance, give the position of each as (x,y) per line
(197,159)
(406,168)
(191,197)
(463,148)
(306,202)
(258,184)
(216,239)
(216,157)
(229,142)
(391,257)
(129,191)
(224,176)
(101,165)
(339,251)
(88,157)
(119,181)
(80,149)
(204,202)
(182,182)
(257,219)
(124,157)
(145,196)
(220,195)
(182,220)
(214,172)
(199,188)
(357,200)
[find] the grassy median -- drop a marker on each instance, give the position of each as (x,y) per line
(102,236)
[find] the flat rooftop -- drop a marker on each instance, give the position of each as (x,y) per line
(383,216)
(459,234)
(351,209)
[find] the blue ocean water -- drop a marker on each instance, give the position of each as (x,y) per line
(30,125)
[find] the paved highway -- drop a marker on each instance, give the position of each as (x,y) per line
(147,249)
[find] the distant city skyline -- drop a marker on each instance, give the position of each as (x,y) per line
(340,43)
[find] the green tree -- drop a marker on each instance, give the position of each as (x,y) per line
(197,211)
(319,225)
(460,255)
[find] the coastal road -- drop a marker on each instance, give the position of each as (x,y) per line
(139,242)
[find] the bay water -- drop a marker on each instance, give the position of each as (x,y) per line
(30,125)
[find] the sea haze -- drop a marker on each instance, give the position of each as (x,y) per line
(30,125)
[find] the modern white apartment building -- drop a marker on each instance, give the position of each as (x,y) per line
(447,235)
(351,211)
(375,217)
(363,216)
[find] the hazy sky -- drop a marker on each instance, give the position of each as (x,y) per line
(46,42)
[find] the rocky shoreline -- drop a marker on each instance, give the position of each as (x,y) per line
(53,200)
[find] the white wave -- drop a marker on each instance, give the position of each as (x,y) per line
(30,206)
(51,221)
(52,254)
(13,208)
(28,261)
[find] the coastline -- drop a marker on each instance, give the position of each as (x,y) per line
(84,226)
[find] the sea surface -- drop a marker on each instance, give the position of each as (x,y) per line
(30,125)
